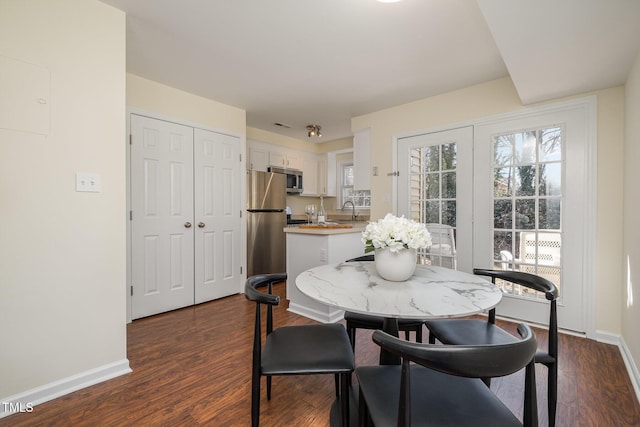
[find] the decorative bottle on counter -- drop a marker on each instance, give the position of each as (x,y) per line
(322,214)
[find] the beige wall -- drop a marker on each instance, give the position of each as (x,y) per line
(631,260)
(496,97)
(273,138)
(298,144)
(173,103)
(62,252)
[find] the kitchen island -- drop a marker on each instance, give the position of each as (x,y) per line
(309,247)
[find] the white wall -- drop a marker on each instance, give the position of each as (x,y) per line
(62,252)
(496,97)
(631,260)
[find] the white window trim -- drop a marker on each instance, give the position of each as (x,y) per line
(340,202)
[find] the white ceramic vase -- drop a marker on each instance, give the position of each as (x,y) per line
(395,266)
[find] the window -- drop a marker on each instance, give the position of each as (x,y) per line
(433,183)
(361,198)
(527,196)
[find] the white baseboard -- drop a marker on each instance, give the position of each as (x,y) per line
(332,317)
(25,401)
(606,337)
(632,368)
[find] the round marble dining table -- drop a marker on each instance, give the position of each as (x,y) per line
(432,292)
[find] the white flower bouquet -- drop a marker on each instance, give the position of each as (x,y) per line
(395,233)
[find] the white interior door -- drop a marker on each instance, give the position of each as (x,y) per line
(435,186)
(217,215)
(162,228)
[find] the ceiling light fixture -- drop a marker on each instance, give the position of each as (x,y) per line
(314,130)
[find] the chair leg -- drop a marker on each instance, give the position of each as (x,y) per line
(268,387)
(419,334)
(351,331)
(432,338)
(363,412)
(344,398)
(487,382)
(552,393)
(255,400)
(406,335)
(337,381)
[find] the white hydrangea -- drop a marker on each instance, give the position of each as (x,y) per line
(395,233)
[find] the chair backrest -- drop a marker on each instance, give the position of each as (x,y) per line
(252,293)
(442,251)
(528,280)
(537,283)
(472,361)
(370,257)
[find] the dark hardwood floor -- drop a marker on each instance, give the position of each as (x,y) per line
(192,367)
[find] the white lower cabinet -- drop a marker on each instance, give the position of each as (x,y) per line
(305,251)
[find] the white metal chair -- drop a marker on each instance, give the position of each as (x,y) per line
(442,251)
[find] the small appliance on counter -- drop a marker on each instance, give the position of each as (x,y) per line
(293,221)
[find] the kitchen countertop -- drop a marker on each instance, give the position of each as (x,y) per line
(356,227)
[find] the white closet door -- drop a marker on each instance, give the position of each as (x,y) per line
(162,228)
(217,215)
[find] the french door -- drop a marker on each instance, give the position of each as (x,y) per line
(185,216)
(521,201)
(531,208)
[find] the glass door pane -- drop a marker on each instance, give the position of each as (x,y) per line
(527,201)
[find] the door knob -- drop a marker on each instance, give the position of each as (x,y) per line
(187,224)
(201,224)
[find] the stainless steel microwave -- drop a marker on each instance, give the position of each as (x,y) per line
(294,179)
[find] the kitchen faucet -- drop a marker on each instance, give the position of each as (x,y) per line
(353,209)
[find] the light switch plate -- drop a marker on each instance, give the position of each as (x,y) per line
(89,182)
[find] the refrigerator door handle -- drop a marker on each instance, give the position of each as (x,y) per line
(265,210)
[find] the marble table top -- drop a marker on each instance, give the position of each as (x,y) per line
(432,292)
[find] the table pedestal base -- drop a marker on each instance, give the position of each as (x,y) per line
(390,326)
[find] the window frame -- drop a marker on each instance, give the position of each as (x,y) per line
(341,186)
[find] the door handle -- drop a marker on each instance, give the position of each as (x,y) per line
(201,224)
(187,224)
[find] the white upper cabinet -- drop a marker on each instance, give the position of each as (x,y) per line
(285,159)
(310,175)
(319,175)
(327,175)
(258,157)
(293,160)
(319,170)
(361,160)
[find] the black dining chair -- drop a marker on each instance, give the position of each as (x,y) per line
(364,321)
(442,386)
(295,350)
(481,332)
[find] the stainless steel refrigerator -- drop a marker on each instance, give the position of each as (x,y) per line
(266,218)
